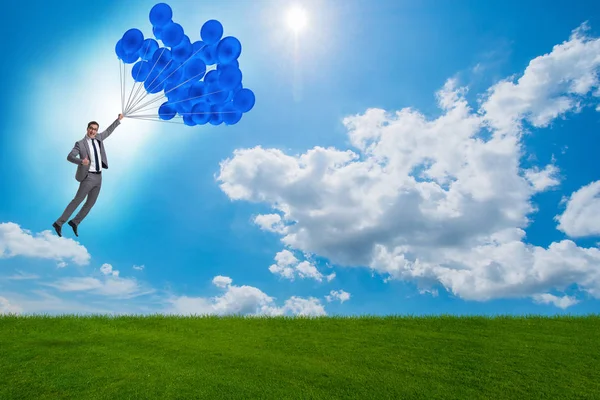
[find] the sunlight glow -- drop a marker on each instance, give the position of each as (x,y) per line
(296,19)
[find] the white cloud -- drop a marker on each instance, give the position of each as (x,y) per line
(116,287)
(552,85)
(246,300)
(270,222)
(107,269)
(222,281)
(138,267)
(432,200)
(582,214)
(38,301)
(289,267)
(340,295)
(561,302)
(543,179)
(284,266)
(21,276)
(15,241)
(432,292)
(108,284)
(7,308)
(303,307)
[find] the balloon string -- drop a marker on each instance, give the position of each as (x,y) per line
(121,85)
(180,65)
(136,77)
(191,113)
(150,87)
(168,91)
(178,101)
(135,103)
(156,77)
(164,94)
(151,69)
(124,83)
(155,119)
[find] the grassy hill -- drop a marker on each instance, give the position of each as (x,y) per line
(234,357)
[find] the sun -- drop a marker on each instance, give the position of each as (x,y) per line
(296,19)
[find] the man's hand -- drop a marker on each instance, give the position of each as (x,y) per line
(85,161)
(120,117)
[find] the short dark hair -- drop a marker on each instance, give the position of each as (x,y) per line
(92,123)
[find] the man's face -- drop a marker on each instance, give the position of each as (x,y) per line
(92,130)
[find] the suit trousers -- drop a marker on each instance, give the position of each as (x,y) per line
(89,187)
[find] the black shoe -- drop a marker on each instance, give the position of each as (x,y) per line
(74,227)
(57,228)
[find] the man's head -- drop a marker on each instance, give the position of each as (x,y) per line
(92,129)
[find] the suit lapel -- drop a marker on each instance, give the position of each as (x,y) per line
(85,142)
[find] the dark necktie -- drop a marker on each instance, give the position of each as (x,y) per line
(96,156)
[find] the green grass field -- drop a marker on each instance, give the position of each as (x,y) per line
(168,357)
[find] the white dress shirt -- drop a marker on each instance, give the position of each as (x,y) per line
(92,143)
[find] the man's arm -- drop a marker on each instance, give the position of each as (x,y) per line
(103,135)
(72,156)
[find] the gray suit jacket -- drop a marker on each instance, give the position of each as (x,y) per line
(82,150)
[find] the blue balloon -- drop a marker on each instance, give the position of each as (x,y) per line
(234,63)
(216,94)
(216,117)
(169,85)
(153,84)
(194,68)
(140,71)
(161,58)
(233,92)
(187,119)
(157,76)
(127,58)
(197,46)
(157,31)
(174,72)
(184,106)
(211,32)
(119,49)
(209,54)
(244,100)
(179,92)
(228,49)
(132,40)
(201,113)
(130,58)
(172,34)
(230,115)
(197,92)
(148,48)
(160,14)
(166,111)
(229,77)
(211,76)
(183,50)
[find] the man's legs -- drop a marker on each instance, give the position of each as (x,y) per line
(84,188)
(91,199)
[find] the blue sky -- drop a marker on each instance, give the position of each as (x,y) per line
(322,174)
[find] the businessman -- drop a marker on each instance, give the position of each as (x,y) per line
(90,157)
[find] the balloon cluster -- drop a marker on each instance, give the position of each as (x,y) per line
(180,70)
